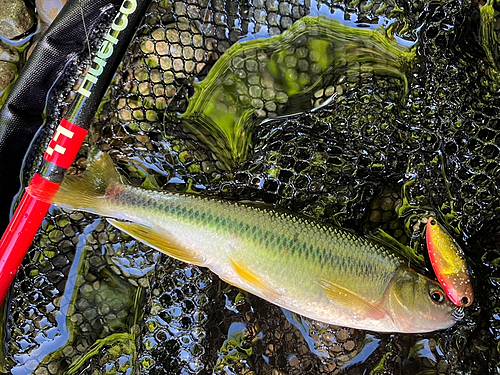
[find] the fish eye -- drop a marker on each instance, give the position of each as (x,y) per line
(433,222)
(437,296)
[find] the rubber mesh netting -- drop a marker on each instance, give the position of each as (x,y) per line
(371,148)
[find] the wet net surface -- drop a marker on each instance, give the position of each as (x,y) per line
(92,300)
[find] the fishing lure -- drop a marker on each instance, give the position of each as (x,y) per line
(448,262)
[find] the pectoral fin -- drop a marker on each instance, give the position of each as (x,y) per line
(157,239)
(345,298)
(251,278)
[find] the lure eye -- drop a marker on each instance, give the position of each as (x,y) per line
(437,296)
(433,222)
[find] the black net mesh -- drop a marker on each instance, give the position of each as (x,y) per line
(90,299)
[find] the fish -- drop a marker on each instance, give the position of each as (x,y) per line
(449,264)
(303,265)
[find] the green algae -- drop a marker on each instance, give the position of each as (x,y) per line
(115,346)
(119,343)
(4,363)
(282,76)
(235,349)
(404,252)
(487,35)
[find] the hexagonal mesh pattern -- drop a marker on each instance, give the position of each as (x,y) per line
(90,299)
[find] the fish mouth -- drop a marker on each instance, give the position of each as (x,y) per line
(458,313)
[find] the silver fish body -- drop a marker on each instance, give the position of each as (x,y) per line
(316,270)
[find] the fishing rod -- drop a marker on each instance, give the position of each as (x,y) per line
(67,141)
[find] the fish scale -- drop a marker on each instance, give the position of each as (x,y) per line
(319,271)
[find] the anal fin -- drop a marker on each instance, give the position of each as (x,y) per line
(157,239)
(251,278)
(350,300)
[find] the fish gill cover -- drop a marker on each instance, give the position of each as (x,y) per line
(423,139)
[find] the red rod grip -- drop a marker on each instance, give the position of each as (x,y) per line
(29,216)
(18,238)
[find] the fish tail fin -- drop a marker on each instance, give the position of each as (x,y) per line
(83,191)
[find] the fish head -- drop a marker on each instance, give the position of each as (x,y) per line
(417,304)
